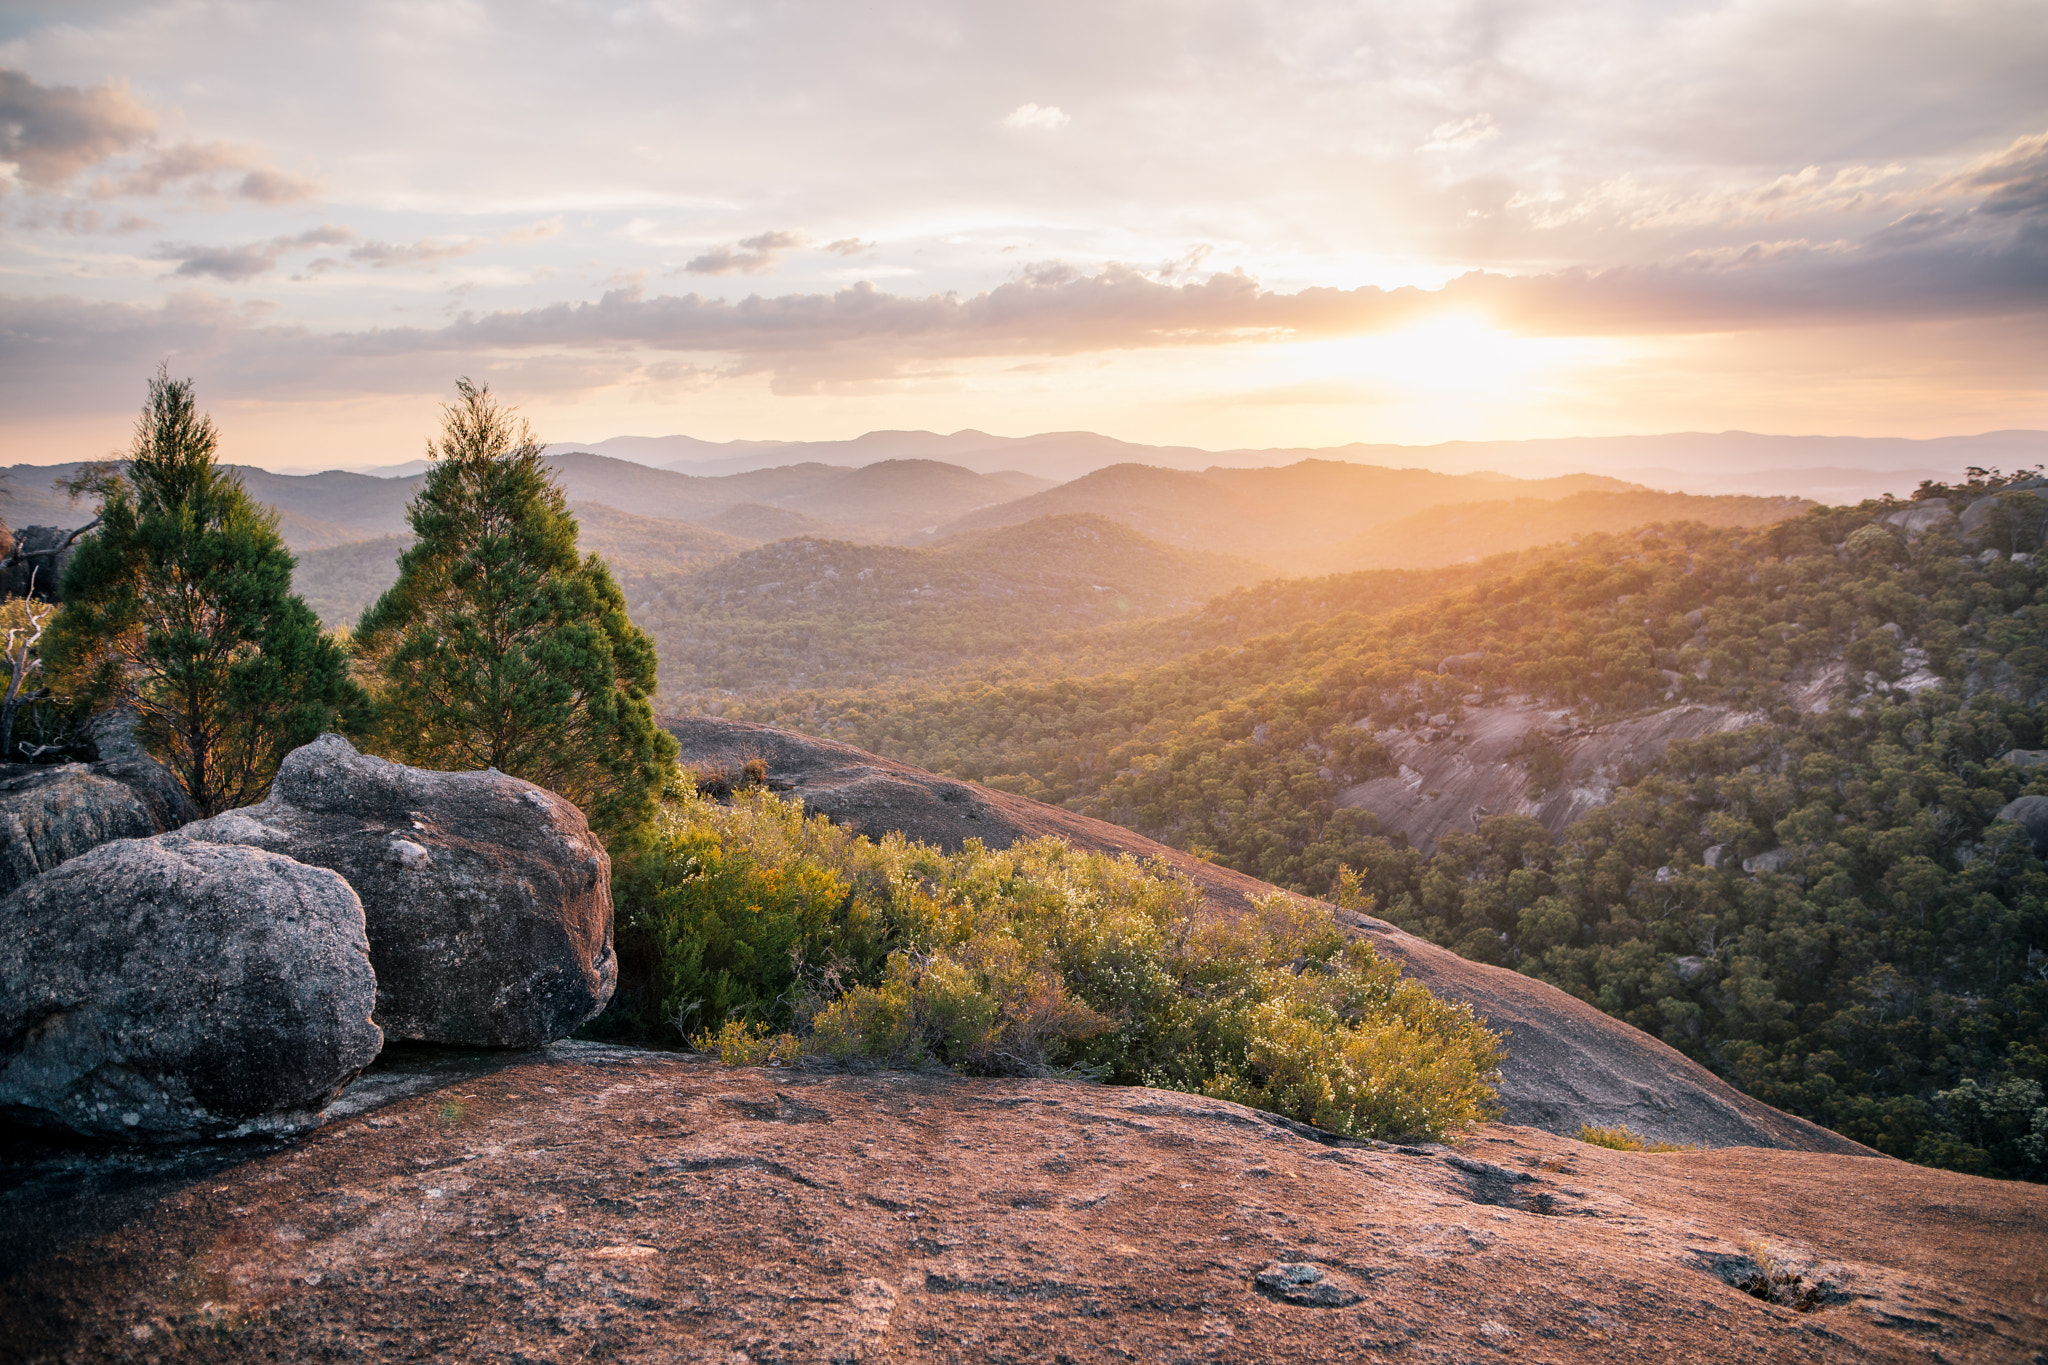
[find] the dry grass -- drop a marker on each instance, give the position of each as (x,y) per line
(1622,1138)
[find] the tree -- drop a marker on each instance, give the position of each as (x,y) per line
(498,646)
(24,620)
(180,607)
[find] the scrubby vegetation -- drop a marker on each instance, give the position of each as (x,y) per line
(1884,971)
(766,936)
(1622,1138)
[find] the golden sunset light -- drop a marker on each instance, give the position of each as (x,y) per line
(1302,228)
(1088,682)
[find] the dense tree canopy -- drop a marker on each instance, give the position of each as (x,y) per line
(499,646)
(1884,972)
(179,606)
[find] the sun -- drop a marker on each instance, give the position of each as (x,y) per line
(1455,354)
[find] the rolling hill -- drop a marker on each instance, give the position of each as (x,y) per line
(339,582)
(1290,518)
(1826,468)
(1748,789)
(809,612)
(881,503)
(1464,532)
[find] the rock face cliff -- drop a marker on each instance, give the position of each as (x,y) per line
(1568,1064)
(1453,772)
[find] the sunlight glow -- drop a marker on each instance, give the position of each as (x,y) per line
(1459,354)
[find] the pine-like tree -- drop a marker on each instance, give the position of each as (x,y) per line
(179,606)
(499,646)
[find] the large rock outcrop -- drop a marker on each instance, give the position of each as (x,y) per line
(2030,813)
(33,559)
(1568,1064)
(167,989)
(1449,775)
(488,899)
(592,1203)
(49,815)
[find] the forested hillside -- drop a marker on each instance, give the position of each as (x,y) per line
(1290,519)
(1818,904)
(1459,532)
(804,611)
(339,582)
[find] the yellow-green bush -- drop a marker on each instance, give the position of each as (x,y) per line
(1622,1138)
(1035,960)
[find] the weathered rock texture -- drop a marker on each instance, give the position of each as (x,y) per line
(34,558)
(2030,813)
(1450,776)
(1921,517)
(2023,499)
(1568,1064)
(51,814)
(165,988)
(599,1204)
(488,899)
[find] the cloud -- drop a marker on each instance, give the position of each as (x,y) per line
(235,263)
(187,163)
(750,256)
(1954,264)
(1625,202)
(1465,132)
(1186,264)
(184,161)
(381,255)
(267,186)
(849,246)
(52,132)
(1047,117)
(83,222)
(250,259)
(534,232)
(2017,177)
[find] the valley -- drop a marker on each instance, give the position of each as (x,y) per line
(1728,767)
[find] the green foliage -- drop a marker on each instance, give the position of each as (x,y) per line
(718,920)
(498,646)
(803,610)
(765,935)
(1990,1129)
(1899,951)
(179,606)
(1622,1138)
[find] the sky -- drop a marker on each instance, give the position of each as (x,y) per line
(1220,223)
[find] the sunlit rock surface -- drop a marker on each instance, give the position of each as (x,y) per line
(591,1203)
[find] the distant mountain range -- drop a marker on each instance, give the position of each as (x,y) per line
(1309,517)
(1826,468)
